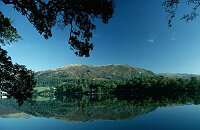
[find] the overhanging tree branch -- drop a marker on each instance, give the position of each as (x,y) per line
(82,12)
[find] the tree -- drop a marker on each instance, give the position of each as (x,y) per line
(15,79)
(194,83)
(78,14)
(172,5)
(8,33)
(5,68)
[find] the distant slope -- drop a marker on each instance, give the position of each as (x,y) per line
(179,75)
(91,72)
(104,71)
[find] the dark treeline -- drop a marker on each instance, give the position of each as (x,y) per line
(137,85)
(158,84)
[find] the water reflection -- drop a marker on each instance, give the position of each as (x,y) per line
(83,108)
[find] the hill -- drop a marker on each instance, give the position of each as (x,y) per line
(105,71)
(179,75)
(90,72)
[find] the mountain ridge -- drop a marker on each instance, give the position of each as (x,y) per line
(108,71)
(179,75)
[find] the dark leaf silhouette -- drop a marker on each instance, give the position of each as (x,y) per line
(15,79)
(171,7)
(78,14)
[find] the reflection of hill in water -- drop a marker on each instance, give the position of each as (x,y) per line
(7,111)
(72,112)
(114,111)
(85,109)
(107,113)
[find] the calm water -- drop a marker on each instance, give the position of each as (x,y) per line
(112,113)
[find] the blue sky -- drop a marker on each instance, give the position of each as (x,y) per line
(137,35)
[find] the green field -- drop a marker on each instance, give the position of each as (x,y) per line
(41,89)
(40,99)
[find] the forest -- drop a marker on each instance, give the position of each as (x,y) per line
(137,85)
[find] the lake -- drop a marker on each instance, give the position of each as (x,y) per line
(173,118)
(96,112)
